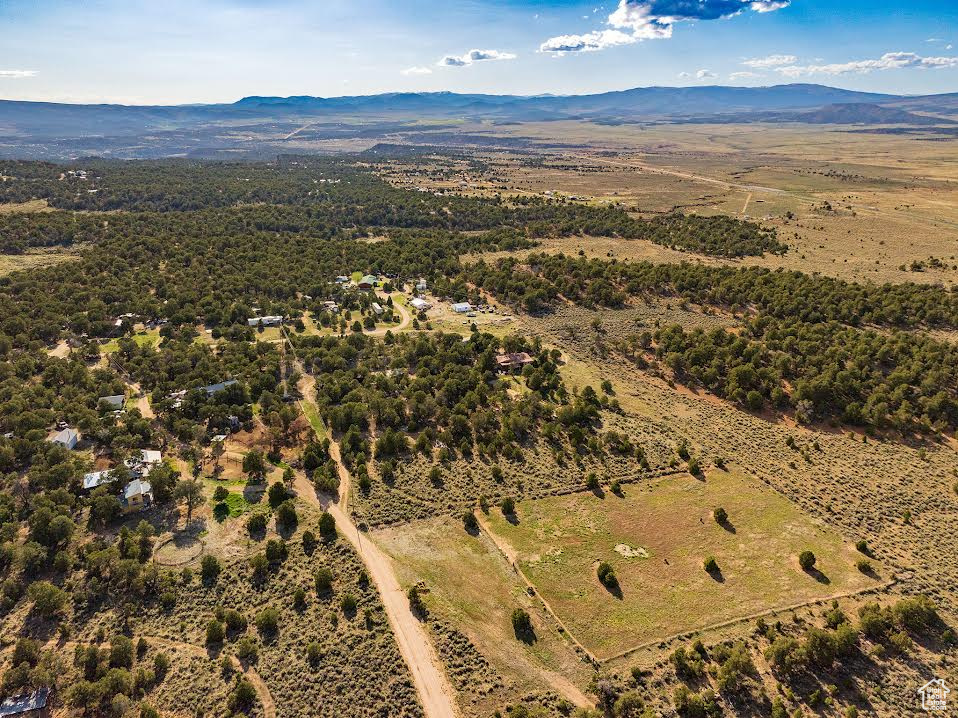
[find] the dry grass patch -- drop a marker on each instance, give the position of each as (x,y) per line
(472,592)
(560,541)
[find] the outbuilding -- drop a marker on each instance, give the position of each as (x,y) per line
(67,438)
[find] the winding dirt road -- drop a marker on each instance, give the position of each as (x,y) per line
(435,692)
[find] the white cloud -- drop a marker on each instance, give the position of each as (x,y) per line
(770,5)
(763,63)
(745,75)
(17,74)
(589,42)
(416,71)
(474,56)
(705,75)
(636,20)
(888,61)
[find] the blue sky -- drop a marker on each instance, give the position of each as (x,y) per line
(182,51)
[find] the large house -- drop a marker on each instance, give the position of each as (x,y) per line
(217,388)
(462,307)
(367,282)
(515,360)
(137,496)
(269,321)
(66,437)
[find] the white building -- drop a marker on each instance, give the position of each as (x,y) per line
(420,305)
(96,478)
(271,321)
(462,307)
(141,463)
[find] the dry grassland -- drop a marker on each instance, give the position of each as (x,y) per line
(656,537)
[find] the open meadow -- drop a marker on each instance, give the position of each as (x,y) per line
(656,536)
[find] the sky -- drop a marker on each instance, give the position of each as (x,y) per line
(207,51)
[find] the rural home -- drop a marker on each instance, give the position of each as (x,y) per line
(217,388)
(270,321)
(116,402)
(377,308)
(137,496)
(27,705)
(67,438)
(515,360)
(367,282)
(462,307)
(96,478)
(420,305)
(421,285)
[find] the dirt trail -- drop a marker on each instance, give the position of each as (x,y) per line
(512,557)
(435,692)
(405,321)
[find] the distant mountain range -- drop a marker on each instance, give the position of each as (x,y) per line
(58,130)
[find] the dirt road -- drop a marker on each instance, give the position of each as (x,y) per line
(405,320)
(435,692)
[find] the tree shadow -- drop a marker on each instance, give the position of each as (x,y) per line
(614,588)
(728,526)
(286,531)
(598,492)
(526,635)
(818,575)
(512,518)
(716,574)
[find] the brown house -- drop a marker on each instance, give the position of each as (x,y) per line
(511,362)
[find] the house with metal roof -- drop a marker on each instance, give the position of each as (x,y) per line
(66,437)
(116,402)
(27,705)
(217,388)
(137,496)
(96,478)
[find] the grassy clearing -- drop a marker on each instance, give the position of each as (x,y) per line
(560,541)
(309,410)
(34,259)
(473,589)
(235,505)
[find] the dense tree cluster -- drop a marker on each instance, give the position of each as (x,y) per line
(823,371)
(444,392)
(539,280)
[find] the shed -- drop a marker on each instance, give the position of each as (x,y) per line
(27,705)
(96,478)
(377,308)
(142,462)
